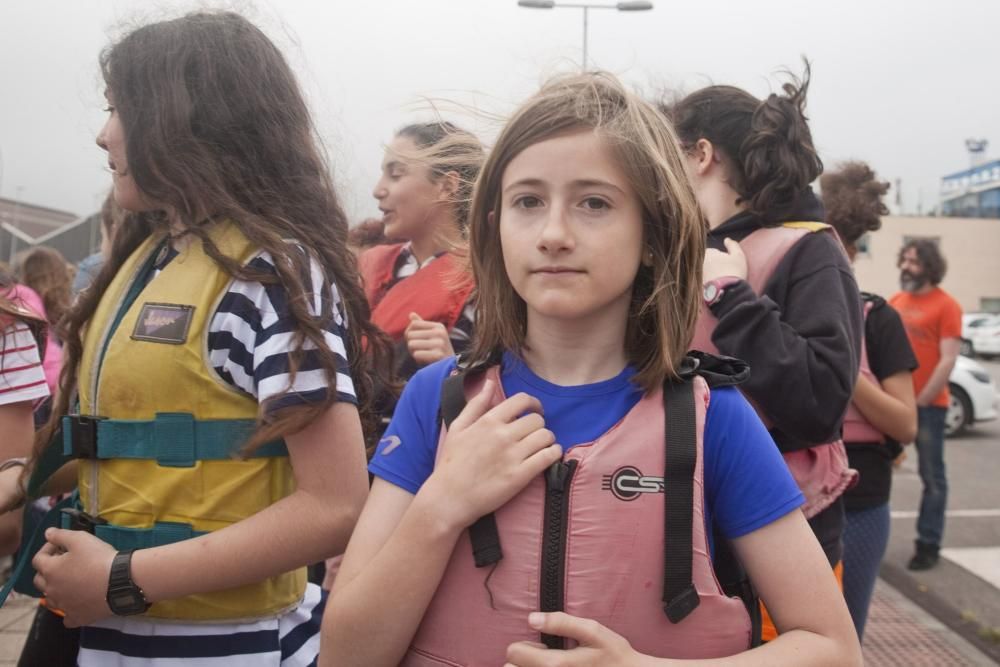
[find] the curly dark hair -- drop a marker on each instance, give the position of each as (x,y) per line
(767,143)
(852,197)
(931,259)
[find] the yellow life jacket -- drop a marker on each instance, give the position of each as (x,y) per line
(169,427)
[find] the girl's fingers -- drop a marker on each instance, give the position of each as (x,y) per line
(535,464)
(476,407)
(515,406)
(533,442)
(525,425)
(422,345)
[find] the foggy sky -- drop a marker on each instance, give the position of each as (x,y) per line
(898,83)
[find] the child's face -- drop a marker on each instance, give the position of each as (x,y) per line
(571,230)
(405,192)
(112,139)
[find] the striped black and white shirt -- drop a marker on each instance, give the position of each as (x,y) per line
(249,340)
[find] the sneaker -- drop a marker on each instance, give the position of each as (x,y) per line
(925,557)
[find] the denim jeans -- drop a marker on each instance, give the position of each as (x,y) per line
(930,461)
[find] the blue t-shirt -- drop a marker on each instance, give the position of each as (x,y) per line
(747,484)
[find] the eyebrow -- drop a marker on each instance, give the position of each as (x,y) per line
(392,164)
(581,183)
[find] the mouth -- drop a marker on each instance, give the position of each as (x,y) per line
(557,270)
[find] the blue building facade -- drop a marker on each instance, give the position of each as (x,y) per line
(973,193)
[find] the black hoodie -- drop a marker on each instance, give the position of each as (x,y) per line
(801,336)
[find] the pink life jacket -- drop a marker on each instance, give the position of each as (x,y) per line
(857,429)
(822,472)
(588,539)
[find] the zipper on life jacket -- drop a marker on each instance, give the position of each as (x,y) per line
(551,589)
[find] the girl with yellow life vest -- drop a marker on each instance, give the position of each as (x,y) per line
(560,483)
(779,292)
(214,372)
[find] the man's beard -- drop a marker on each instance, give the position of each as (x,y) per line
(910,282)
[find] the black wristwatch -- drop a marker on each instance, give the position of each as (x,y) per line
(124,597)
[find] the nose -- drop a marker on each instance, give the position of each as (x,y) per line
(556,234)
(102,138)
(380,192)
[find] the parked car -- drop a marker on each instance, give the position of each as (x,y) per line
(985,338)
(973,396)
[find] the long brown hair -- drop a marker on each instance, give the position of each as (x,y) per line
(666,295)
(46,271)
(215,123)
(766,144)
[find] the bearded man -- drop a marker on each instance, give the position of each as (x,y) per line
(933,321)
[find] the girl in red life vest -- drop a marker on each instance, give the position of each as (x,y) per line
(539,513)
(416,286)
(883,412)
(779,291)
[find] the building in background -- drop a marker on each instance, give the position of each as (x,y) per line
(970,245)
(972,193)
(24,225)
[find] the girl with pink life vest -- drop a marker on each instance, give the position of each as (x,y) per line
(416,286)
(779,292)
(883,411)
(553,496)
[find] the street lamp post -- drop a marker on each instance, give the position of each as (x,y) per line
(586,7)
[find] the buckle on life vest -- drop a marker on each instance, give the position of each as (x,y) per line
(682,605)
(80,436)
(74,519)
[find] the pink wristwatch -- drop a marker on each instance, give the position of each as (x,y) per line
(715,289)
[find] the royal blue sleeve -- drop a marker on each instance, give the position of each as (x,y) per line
(747,484)
(405,454)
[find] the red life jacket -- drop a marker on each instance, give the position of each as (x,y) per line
(437,292)
(588,538)
(822,472)
(857,429)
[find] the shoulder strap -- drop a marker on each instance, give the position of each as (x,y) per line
(679,595)
(809,226)
(483,533)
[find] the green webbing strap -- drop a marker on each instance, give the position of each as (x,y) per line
(22,577)
(51,460)
(121,538)
(173,439)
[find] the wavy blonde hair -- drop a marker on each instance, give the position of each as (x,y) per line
(666,295)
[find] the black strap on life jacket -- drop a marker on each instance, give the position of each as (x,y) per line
(483,533)
(680,597)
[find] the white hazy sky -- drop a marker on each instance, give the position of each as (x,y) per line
(899,83)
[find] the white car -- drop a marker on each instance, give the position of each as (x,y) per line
(973,396)
(984,337)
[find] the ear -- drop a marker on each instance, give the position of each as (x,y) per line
(448,184)
(491,217)
(705,156)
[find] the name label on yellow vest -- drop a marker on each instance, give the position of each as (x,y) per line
(163,323)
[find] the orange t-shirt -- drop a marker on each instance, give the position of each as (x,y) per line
(929,318)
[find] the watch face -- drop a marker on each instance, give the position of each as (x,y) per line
(126,601)
(711,292)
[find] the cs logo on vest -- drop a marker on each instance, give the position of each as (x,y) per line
(628,483)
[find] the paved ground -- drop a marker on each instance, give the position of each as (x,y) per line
(963,591)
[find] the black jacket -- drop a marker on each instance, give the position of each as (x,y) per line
(800,336)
